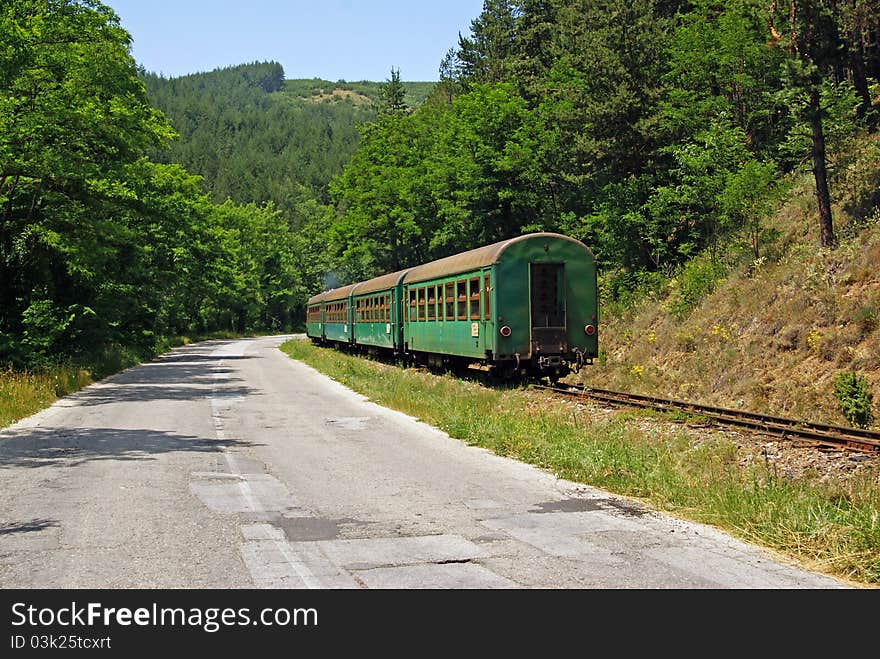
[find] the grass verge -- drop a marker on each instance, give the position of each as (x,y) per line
(833,528)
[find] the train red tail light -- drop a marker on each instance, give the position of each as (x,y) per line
(589,330)
(505,331)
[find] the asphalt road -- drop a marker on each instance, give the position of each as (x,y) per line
(226,464)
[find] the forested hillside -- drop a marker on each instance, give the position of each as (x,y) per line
(256,137)
(653,130)
(252,141)
(104,248)
(138,208)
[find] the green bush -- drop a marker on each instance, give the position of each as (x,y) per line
(866,318)
(697,278)
(853,394)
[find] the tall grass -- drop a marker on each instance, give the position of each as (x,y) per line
(831,527)
(23,393)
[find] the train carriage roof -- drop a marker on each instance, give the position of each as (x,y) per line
(475,258)
(333,294)
(451,265)
(382,283)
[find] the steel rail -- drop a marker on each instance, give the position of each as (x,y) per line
(829,435)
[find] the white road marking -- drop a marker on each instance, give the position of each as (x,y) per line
(258,553)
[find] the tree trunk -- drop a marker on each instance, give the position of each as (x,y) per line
(860,78)
(820,174)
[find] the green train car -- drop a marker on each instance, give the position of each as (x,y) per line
(527,306)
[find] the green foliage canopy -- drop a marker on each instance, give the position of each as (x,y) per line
(99,245)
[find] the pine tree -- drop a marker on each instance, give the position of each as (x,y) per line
(488,54)
(392,94)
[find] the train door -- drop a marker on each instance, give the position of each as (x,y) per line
(548,308)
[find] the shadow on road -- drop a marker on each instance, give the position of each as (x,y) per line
(31,526)
(71,447)
(128,393)
(180,377)
(196,358)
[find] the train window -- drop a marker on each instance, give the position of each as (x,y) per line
(421,304)
(387,308)
(475,298)
(487,314)
(461,289)
(432,302)
(412,305)
(450,301)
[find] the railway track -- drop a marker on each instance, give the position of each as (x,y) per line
(853,439)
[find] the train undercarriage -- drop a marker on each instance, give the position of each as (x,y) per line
(550,366)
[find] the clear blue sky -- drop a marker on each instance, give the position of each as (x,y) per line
(330,39)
